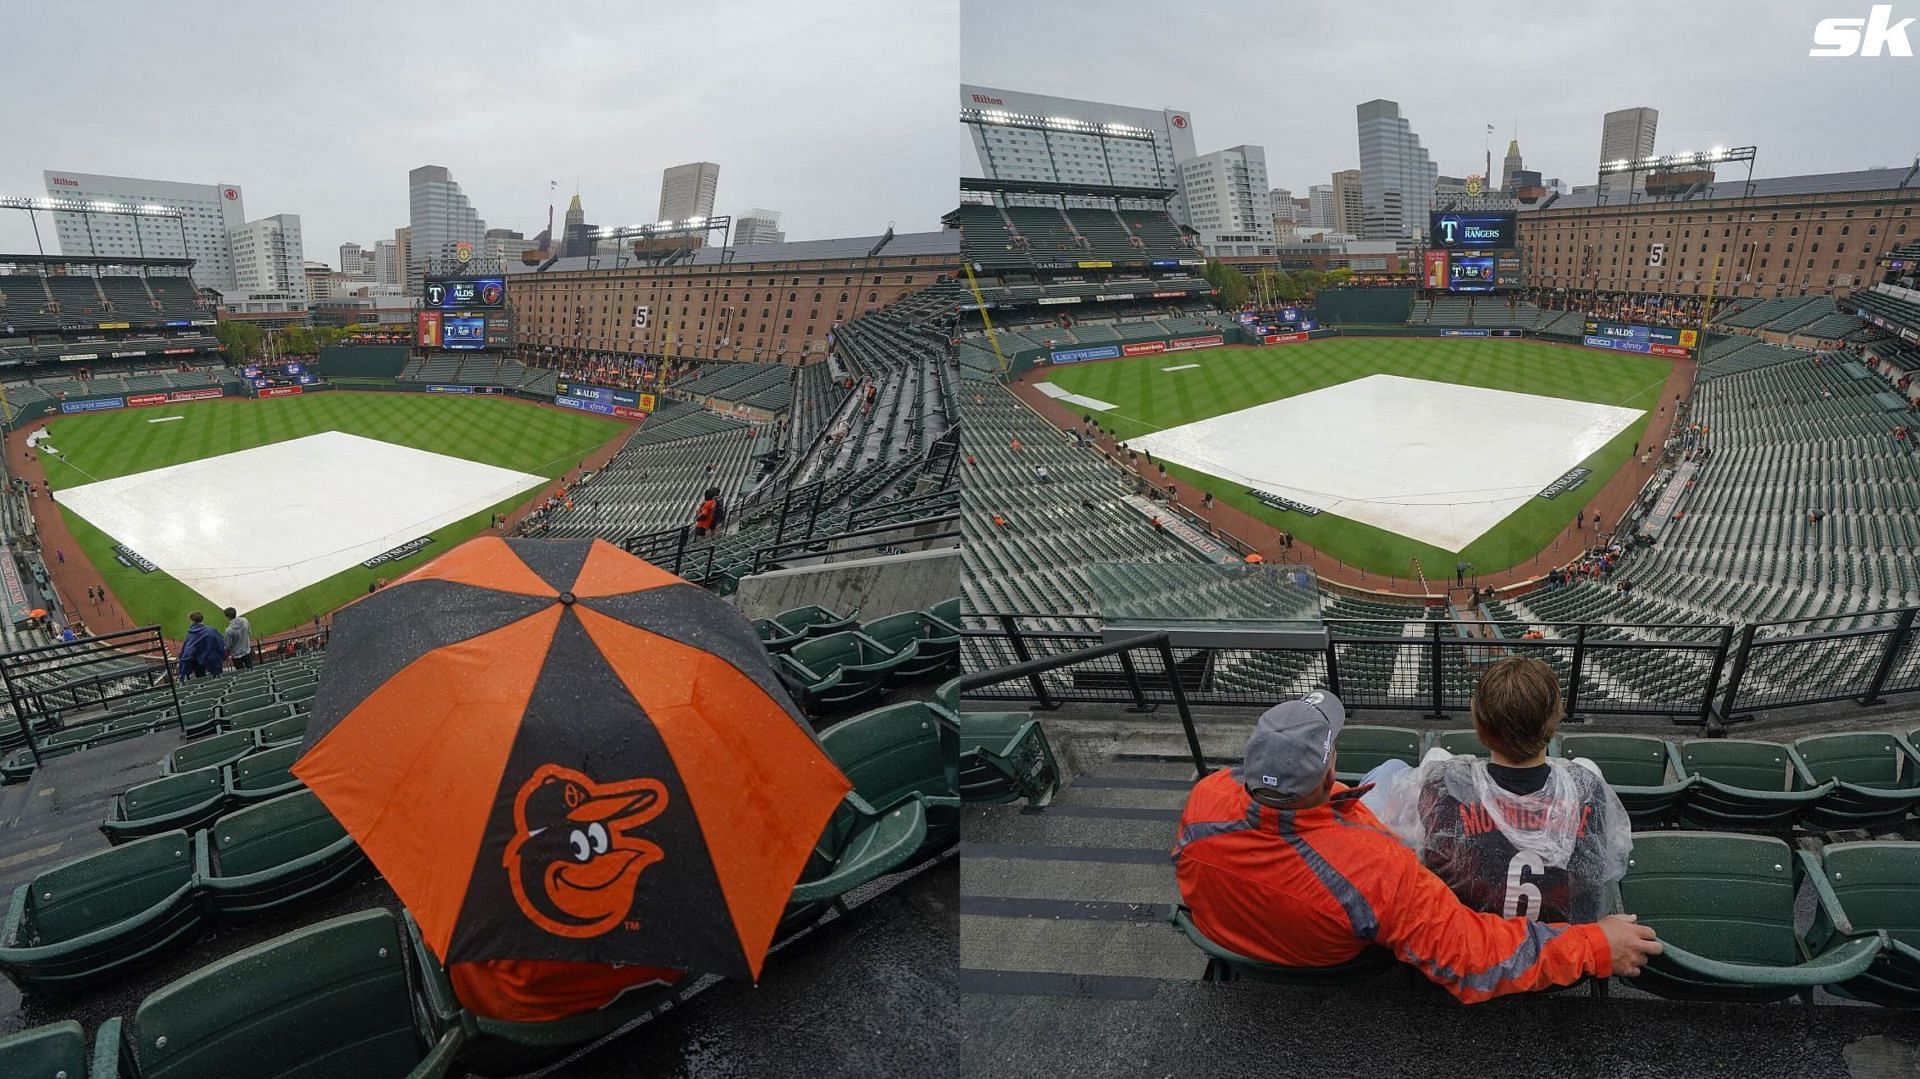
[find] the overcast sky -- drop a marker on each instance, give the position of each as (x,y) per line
(1286,76)
(827,111)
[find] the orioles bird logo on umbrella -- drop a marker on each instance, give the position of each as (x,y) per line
(575,861)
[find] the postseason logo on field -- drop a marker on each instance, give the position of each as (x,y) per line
(406,550)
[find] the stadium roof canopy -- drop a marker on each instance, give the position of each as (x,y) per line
(901,245)
(91,260)
(1825,183)
(1043,187)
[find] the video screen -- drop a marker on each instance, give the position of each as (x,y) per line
(463,333)
(464,293)
(1471,273)
(1473,231)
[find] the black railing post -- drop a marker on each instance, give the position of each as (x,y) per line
(1897,640)
(680,550)
(1133,682)
(1573,677)
(780,527)
(1725,644)
(20,713)
(1435,679)
(1022,654)
(1186,714)
(1741,657)
(1333,666)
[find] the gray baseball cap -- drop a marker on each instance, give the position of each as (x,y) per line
(1292,744)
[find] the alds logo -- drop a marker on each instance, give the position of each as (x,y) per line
(574,861)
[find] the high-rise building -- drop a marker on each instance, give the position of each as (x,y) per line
(506,245)
(212,212)
(1349,206)
(1022,136)
(350,257)
(1320,206)
(441,220)
(576,214)
(267,255)
(402,255)
(1227,195)
(686,191)
(1626,135)
(384,262)
(1396,174)
(1510,167)
(758,226)
(1282,202)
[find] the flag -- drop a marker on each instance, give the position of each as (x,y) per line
(1489,129)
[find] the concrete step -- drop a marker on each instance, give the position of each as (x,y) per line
(1113,948)
(1094,794)
(1148,828)
(1083,882)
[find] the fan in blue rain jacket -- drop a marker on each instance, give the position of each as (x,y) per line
(205,650)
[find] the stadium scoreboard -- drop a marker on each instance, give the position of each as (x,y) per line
(464,293)
(1473,231)
(1472,271)
(462,314)
(1628,337)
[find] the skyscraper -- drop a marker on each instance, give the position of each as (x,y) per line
(1510,167)
(440,220)
(1282,202)
(1396,174)
(213,211)
(1228,197)
(1626,135)
(267,256)
(1349,207)
(686,191)
(576,215)
(402,254)
(384,261)
(1320,206)
(758,226)
(350,257)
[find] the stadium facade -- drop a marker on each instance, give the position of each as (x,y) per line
(1016,142)
(1792,234)
(212,212)
(759,302)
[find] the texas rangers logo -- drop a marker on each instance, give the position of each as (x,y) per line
(575,860)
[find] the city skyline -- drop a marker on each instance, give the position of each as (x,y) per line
(570,107)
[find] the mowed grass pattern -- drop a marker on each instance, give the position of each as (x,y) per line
(508,434)
(1229,379)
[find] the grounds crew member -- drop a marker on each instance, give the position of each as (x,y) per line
(1280,862)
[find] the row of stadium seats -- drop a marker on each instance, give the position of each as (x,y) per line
(1023,236)
(830,662)
(31,303)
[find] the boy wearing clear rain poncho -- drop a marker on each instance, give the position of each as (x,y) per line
(1516,833)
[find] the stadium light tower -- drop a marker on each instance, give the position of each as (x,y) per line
(1695,159)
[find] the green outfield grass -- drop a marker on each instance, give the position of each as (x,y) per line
(1234,378)
(495,431)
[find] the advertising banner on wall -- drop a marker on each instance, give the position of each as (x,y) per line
(1077,355)
(1182,343)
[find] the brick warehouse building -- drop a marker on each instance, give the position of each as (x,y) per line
(1793,235)
(759,302)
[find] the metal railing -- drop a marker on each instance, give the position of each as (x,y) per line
(1705,675)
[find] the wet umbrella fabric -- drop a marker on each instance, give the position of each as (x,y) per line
(554,750)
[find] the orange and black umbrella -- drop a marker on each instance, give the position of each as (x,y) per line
(554,750)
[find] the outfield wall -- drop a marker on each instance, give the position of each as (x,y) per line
(1018,363)
(80,406)
(361,361)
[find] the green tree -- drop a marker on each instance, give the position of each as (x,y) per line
(240,339)
(1233,285)
(296,340)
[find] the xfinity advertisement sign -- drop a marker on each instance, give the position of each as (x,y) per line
(1456,232)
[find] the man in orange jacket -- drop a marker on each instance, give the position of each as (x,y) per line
(1280,862)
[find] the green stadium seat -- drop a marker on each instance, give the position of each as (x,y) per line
(1645,772)
(296,694)
(200,719)
(1466,743)
(235,704)
(861,845)
(78,924)
(331,999)
(1361,748)
(1722,904)
(45,1052)
(1004,756)
(280,731)
(123,728)
(266,774)
(841,670)
(815,620)
(898,753)
(499,1047)
(183,800)
(947,610)
(256,860)
(1227,966)
(255,717)
(1865,889)
(1877,777)
(209,752)
(936,644)
(1739,783)
(776,637)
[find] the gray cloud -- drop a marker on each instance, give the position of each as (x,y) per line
(828,113)
(1287,76)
